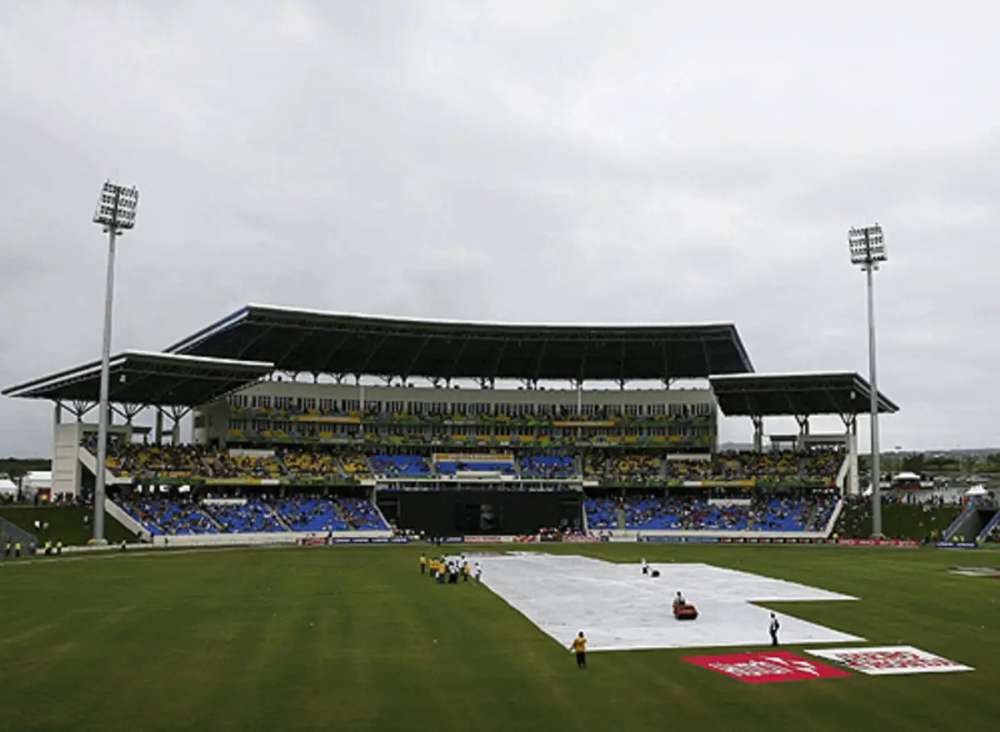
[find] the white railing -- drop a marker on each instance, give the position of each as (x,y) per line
(89,461)
(834,517)
(126,519)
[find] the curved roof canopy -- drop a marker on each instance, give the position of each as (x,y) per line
(323,342)
(763,395)
(139,377)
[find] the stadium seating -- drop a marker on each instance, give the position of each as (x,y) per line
(548,466)
(310,463)
(450,467)
(163,516)
(311,514)
(818,466)
(631,468)
(649,513)
(361,515)
(610,467)
(411,466)
(250,517)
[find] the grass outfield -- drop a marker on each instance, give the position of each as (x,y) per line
(354,638)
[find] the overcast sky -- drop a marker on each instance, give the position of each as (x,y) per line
(523,161)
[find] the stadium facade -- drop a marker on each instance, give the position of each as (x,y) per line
(443,426)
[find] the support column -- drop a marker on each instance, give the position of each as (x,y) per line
(158,428)
(56,421)
(758,433)
(361,404)
(803,422)
(853,480)
(852,485)
(177,414)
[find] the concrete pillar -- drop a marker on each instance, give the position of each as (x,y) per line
(803,423)
(361,405)
(56,421)
(853,481)
(758,434)
(158,428)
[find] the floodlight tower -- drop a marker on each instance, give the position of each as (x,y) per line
(867,245)
(116,213)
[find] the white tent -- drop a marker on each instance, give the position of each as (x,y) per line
(8,488)
(906,475)
(977,490)
(36,480)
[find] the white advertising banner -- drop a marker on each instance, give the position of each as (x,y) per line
(888,660)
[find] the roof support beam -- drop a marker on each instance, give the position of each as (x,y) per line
(416,355)
(621,367)
(456,360)
(498,359)
(281,361)
(538,361)
(327,358)
(253,340)
(371,355)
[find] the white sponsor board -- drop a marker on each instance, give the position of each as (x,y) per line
(488,539)
(887,660)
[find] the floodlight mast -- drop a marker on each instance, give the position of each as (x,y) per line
(115,212)
(867,246)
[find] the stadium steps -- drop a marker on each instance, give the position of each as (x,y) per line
(207,513)
(89,461)
(10,531)
(811,517)
(276,515)
(961,525)
(126,519)
(990,525)
(831,525)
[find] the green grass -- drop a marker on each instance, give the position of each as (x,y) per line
(352,638)
(899,521)
(65,524)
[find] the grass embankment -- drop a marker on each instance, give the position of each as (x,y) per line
(66,524)
(899,521)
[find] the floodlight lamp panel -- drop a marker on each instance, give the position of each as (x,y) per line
(117,206)
(867,244)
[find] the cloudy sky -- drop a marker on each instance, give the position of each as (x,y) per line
(552,161)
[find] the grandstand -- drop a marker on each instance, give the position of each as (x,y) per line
(308,423)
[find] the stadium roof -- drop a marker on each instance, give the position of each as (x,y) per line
(139,377)
(762,395)
(324,342)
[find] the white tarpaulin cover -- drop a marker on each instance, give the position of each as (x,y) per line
(621,609)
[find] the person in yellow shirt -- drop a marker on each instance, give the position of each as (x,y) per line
(579,646)
(423,564)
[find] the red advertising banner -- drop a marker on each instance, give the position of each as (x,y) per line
(766,668)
